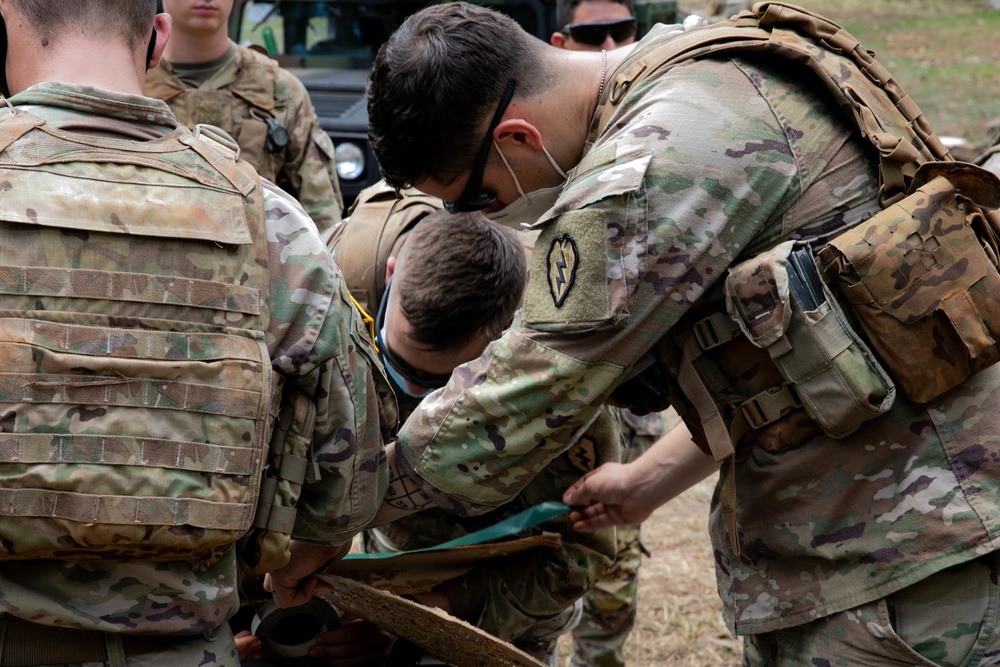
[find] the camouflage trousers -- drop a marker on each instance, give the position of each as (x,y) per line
(217,651)
(949,619)
(609,608)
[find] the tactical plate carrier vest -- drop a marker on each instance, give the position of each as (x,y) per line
(784,357)
(245,109)
(374,231)
(136,395)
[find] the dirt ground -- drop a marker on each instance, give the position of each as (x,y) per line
(945,54)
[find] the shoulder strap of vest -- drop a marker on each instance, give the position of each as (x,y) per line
(14,124)
(256,79)
(363,243)
(223,153)
(885,114)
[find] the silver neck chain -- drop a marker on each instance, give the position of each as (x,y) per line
(604,73)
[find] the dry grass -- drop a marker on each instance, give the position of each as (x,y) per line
(679,609)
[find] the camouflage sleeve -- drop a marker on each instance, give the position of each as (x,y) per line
(317,341)
(310,168)
(699,166)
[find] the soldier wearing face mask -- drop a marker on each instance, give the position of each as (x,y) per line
(529,206)
(440,288)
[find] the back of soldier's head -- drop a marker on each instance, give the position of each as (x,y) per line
(127,20)
(460,278)
(436,83)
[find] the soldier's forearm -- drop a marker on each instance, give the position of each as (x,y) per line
(402,497)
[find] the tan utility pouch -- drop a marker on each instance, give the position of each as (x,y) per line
(922,279)
(780,303)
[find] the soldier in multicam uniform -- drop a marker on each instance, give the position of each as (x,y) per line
(609,608)
(456,283)
(843,548)
(207,78)
(157,295)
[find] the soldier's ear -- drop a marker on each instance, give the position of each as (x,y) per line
(390,267)
(518,132)
(162,25)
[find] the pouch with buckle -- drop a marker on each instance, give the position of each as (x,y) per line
(921,279)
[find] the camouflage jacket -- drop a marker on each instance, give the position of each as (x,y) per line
(509,598)
(701,165)
(240,98)
(315,339)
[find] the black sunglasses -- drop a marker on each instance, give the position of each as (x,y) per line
(401,368)
(594,34)
(473,197)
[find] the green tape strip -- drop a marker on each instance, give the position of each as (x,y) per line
(529,518)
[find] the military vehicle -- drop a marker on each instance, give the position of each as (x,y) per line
(330,46)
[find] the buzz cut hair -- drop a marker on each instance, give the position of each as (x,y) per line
(460,278)
(130,20)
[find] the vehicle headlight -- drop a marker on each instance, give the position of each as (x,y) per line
(350,161)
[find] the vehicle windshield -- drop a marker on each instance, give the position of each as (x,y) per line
(314,34)
(307,33)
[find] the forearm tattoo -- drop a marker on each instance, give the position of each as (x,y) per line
(403,493)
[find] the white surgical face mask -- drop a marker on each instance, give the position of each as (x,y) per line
(529,207)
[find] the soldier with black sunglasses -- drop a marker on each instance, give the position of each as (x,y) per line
(594,25)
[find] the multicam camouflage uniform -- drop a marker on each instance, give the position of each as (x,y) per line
(609,608)
(314,338)
(240,97)
(703,164)
(530,600)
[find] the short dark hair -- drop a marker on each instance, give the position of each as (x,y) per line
(566,8)
(460,278)
(436,82)
(130,20)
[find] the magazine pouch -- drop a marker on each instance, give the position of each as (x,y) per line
(781,304)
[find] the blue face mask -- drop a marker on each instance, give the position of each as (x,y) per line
(396,377)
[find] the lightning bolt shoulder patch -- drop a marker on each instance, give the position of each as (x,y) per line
(568,281)
(562,261)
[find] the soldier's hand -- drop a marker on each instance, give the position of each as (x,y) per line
(606,497)
(294,584)
(623,494)
(248,647)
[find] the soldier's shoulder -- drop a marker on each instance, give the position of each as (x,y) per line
(288,88)
(282,209)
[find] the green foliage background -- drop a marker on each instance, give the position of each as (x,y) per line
(945,53)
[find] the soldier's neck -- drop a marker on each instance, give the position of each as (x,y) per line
(79,60)
(191,48)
